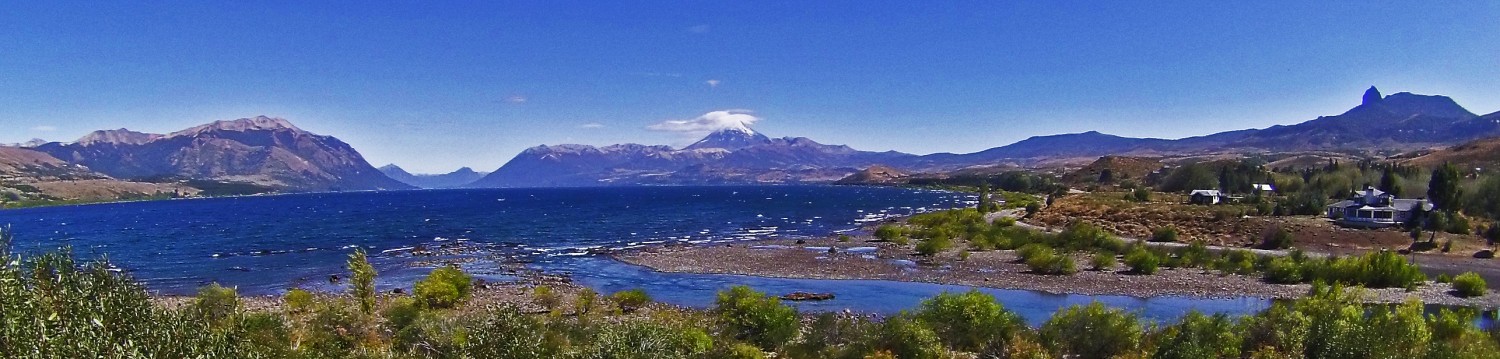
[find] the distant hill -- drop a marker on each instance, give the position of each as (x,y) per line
(876,174)
(1120,168)
(1483,154)
(455,179)
(1378,125)
(30,175)
(262,151)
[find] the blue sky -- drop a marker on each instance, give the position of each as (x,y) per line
(433,87)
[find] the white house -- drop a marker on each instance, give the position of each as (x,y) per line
(1205,196)
(1375,208)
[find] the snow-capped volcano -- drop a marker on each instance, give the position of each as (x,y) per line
(731,138)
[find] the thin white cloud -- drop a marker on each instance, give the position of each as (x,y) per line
(712,83)
(44,128)
(707,123)
(699,29)
(516,99)
(591,126)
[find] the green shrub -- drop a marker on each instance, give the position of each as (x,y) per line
(1276,238)
(889,232)
(362,280)
(910,339)
(630,300)
(297,301)
(745,351)
(1141,195)
(444,287)
(1103,260)
(845,238)
(1091,331)
(546,297)
(1083,235)
(972,321)
(216,303)
(1469,285)
(1005,222)
(1283,270)
(649,339)
(1026,252)
(934,245)
(1199,336)
(1047,261)
(584,303)
(755,317)
(1142,261)
(1444,278)
(1164,234)
(1195,255)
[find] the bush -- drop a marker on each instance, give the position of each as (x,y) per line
(1091,331)
(584,303)
(1276,238)
(1047,261)
(934,245)
(1141,195)
(889,232)
(1283,270)
(630,300)
(297,301)
(1142,261)
(445,287)
(972,321)
(844,238)
(1469,285)
(1164,234)
(216,303)
(362,280)
(1199,336)
(755,317)
(907,338)
(1103,260)
(546,297)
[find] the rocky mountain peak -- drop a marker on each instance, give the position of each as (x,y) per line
(117,137)
(731,138)
(1371,96)
(257,123)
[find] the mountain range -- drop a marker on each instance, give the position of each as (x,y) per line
(274,155)
(453,179)
(261,151)
(1378,125)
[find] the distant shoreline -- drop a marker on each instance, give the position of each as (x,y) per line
(864,258)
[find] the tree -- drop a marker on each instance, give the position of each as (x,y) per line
(1443,188)
(362,283)
(1106,176)
(1390,182)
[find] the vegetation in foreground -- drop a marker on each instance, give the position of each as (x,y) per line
(53,307)
(1052,253)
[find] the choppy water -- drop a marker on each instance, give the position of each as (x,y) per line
(265,245)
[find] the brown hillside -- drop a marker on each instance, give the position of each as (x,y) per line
(1121,167)
(1483,153)
(876,174)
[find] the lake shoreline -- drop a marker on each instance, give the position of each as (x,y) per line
(864,258)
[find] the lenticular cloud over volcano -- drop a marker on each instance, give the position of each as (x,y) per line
(709,123)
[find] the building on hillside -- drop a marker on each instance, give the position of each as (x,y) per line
(1374,209)
(1263,187)
(1206,196)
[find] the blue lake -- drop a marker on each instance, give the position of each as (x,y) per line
(265,245)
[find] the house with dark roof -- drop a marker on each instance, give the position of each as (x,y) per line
(1375,209)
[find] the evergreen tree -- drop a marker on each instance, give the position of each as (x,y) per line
(1389,182)
(1443,189)
(1106,176)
